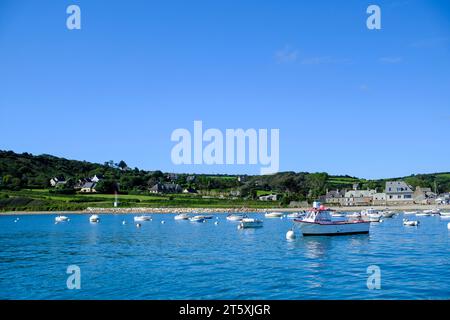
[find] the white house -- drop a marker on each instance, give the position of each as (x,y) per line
(398,192)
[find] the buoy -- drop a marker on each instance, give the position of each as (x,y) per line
(290,235)
(138,225)
(381,220)
(124,222)
(239,227)
(162,222)
(448,226)
(216,223)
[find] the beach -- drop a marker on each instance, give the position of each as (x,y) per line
(168,210)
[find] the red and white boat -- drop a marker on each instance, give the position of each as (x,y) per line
(319,222)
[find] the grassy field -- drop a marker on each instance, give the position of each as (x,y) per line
(43,200)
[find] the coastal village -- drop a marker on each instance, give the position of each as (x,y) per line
(395,193)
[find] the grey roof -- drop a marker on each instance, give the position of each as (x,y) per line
(397,187)
(89,185)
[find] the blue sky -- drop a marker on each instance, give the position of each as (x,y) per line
(347,100)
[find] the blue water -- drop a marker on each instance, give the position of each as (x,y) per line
(185,260)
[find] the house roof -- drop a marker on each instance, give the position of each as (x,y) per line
(397,187)
(89,185)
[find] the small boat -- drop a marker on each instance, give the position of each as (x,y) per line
(388,214)
(274,215)
(354,215)
(432,211)
(208,217)
(182,216)
(295,215)
(142,218)
(236,217)
(445,214)
(94,218)
(318,222)
(374,217)
(250,223)
(410,212)
(197,219)
(61,218)
(423,214)
(409,223)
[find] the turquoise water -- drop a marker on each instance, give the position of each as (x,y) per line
(185,260)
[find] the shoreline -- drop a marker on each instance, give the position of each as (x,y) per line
(217,210)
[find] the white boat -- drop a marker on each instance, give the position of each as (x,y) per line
(273,215)
(409,223)
(354,215)
(445,214)
(388,214)
(410,212)
(236,217)
(250,223)
(432,211)
(197,219)
(182,216)
(94,218)
(318,222)
(295,215)
(142,218)
(423,214)
(374,217)
(61,218)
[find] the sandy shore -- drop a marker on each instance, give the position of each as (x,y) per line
(222,210)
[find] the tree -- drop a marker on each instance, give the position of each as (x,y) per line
(122,165)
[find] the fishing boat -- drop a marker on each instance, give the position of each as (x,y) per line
(182,216)
(197,219)
(250,223)
(142,218)
(61,218)
(273,215)
(94,218)
(236,217)
(318,222)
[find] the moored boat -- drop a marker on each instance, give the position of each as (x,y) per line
(182,216)
(273,215)
(425,213)
(197,219)
(318,222)
(61,218)
(142,218)
(94,218)
(410,212)
(295,215)
(445,214)
(250,223)
(388,214)
(236,217)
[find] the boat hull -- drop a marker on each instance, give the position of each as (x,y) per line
(333,229)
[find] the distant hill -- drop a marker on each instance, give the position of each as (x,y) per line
(27,171)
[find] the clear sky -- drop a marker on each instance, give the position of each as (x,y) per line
(347,100)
